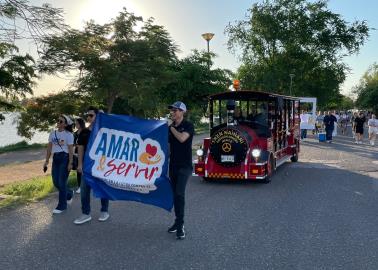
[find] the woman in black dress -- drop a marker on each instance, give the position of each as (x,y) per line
(359,126)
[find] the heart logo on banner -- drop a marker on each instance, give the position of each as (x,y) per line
(151,150)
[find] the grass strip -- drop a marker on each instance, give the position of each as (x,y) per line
(23,145)
(35,189)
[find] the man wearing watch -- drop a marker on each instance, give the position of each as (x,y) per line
(180,139)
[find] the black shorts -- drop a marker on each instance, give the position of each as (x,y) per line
(360,130)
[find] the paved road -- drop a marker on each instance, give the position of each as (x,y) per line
(19,157)
(319,213)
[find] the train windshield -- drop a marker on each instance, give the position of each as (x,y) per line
(253,113)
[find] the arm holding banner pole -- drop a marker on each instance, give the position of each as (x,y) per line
(80,152)
(180,136)
(70,157)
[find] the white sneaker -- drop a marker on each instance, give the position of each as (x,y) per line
(57,211)
(103,216)
(69,202)
(77,191)
(82,219)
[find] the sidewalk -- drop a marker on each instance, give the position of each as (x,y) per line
(21,165)
(24,165)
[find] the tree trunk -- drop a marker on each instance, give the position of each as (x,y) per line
(110,102)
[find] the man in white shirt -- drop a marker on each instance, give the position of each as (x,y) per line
(373,129)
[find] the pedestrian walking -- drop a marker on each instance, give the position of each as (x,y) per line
(181,134)
(373,129)
(343,123)
(352,118)
(60,144)
(319,122)
(85,189)
(359,122)
(329,123)
(80,125)
(304,116)
(337,116)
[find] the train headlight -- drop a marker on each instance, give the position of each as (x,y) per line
(256,153)
(200,152)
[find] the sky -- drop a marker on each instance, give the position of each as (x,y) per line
(186,20)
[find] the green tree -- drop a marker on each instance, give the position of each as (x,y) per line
(115,60)
(194,81)
(41,113)
(367,90)
(17,73)
(284,37)
(21,20)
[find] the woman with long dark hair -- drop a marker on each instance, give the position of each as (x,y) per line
(61,146)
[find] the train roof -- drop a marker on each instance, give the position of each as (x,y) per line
(248,94)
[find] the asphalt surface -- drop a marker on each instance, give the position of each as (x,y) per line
(19,157)
(319,213)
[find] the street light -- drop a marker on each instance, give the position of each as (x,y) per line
(208,37)
(291,81)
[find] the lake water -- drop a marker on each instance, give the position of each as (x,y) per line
(8,132)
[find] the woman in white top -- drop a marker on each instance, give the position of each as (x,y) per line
(373,128)
(61,146)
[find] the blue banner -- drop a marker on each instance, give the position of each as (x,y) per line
(127,159)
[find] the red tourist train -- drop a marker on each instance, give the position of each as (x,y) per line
(251,134)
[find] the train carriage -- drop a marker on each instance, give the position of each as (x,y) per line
(251,134)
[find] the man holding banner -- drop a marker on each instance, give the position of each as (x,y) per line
(126,159)
(180,166)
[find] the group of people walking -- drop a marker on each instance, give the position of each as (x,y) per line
(63,145)
(329,121)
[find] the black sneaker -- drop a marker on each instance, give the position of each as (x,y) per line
(180,234)
(173,228)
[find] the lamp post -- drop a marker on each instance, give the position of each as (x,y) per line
(208,37)
(291,81)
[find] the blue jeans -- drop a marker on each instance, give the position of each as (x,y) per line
(59,175)
(303,134)
(329,132)
(179,178)
(85,195)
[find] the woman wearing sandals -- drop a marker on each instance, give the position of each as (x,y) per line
(61,146)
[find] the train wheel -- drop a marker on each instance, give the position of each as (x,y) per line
(294,157)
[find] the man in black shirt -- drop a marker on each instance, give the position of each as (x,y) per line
(180,162)
(85,189)
(329,123)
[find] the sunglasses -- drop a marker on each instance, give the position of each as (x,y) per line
(90,115)
(174,110)
(60,121)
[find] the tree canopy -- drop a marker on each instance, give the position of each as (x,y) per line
(21,20)
(297,37)
(115,60)
(127,66)
(367,90)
